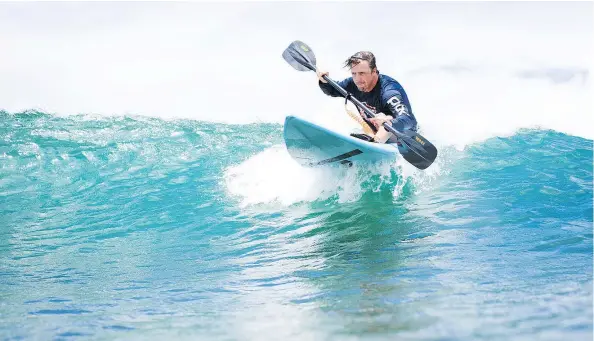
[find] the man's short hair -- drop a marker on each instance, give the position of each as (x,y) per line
(358,57)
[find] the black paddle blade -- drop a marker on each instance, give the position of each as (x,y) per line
(300,56)
(416,149)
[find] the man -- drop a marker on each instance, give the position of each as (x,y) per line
(382,94)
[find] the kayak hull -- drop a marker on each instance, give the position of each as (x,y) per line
(312,145)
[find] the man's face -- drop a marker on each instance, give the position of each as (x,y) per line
(364,77)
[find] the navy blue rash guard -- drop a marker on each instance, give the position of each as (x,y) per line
(387,97)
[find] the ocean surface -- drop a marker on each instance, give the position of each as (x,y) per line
(137,228)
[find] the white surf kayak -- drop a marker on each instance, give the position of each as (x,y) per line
(312,145)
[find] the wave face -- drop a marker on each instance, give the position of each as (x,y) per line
(133,227)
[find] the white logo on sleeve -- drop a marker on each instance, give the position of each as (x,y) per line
(397,105)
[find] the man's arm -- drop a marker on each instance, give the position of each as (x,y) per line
(396,104)
(328,89)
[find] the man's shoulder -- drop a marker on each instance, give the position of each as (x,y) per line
(389,83)
(390,87)
(348,81)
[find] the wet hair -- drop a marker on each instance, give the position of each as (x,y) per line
(358,57)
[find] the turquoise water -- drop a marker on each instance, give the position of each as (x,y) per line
(135,228)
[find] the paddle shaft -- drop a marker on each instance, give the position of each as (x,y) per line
(342,91)
(359,105)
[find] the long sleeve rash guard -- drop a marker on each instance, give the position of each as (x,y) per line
(387,97)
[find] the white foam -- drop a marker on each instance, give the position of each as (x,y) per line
(272,177)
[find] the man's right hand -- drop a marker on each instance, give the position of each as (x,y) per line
(321,75)
(380,119)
